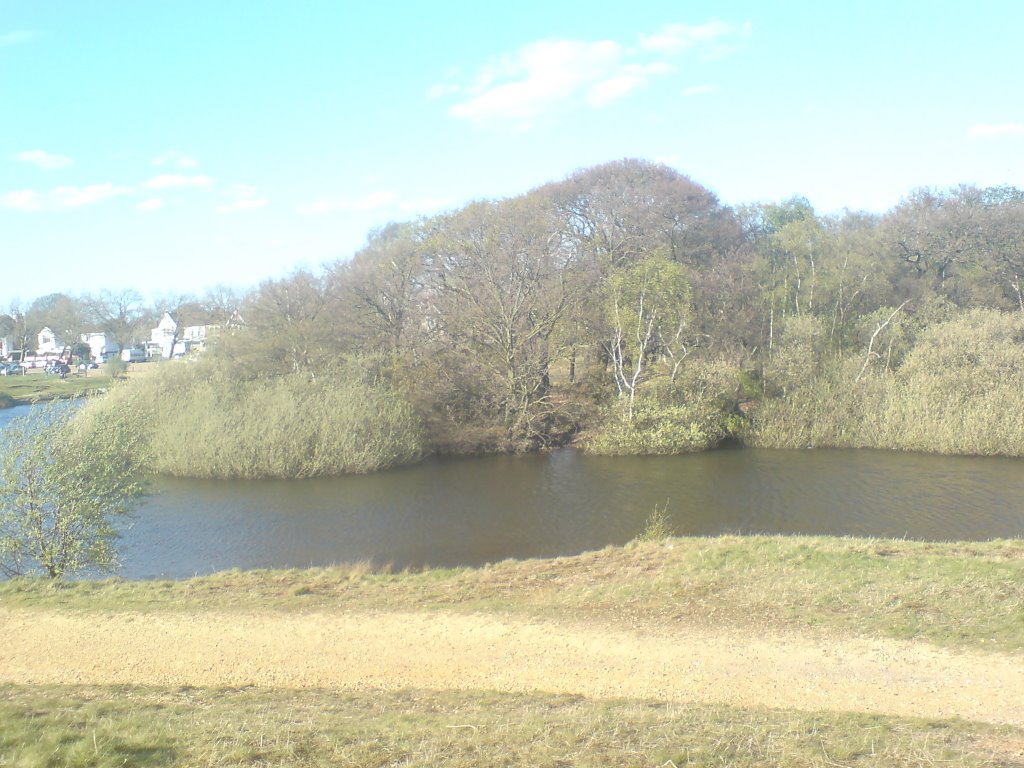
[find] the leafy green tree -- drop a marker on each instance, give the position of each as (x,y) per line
(64,484)
(648,307)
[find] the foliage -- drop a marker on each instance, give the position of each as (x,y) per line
(956,391)
(648,314)
(63,487)
(202,421)
(494,321)
(658,526)
(695,412)
(116,368)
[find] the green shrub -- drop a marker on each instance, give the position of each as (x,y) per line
(695,412)
(203,421)
(958,391)
(116,368)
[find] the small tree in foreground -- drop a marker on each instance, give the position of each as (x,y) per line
(63,486)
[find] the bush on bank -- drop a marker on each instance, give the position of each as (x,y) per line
(694,412)
(957,391)
(201,420)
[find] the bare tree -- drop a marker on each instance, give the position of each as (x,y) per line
(121,314)
(501,283)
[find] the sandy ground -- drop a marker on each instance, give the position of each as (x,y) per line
(453,651)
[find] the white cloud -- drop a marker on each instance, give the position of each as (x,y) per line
(242,197)
(555,75)
(612,89)
(62,198)
(700,90)
(238,206)
(176,158)
(437,91)
(679,37)
(540,76)
(150,205)
(984,130)
(424,205)
(372,202)
(170,180)
(76,197)
(45,160)
(16,38)
(22,200)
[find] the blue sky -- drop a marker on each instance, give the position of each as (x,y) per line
(171,145)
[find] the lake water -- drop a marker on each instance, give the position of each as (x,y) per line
(471,511)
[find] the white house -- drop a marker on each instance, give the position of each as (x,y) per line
(101,345)
(48,343)
(171,342)
(8,344)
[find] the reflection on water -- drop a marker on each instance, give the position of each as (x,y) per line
(477,510)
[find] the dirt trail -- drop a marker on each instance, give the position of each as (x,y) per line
(452,651)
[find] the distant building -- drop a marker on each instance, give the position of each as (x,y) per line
(101,345)
(8,344)
(173,342)
(48,343)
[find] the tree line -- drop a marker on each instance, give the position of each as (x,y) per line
(628,309)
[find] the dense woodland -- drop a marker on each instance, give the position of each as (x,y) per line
(627,310)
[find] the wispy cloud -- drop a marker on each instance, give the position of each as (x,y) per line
(62,198)
(551,75)
(150,205)
(21,200)
(17,37)
(424,205)
(983,130)
(172,180)
(680,37)
(176,158)
(45,160)
(240,198)
(371,202)
(700,90)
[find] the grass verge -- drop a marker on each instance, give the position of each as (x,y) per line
(962,595)
(100,726)
(36,387)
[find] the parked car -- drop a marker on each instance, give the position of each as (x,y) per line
(12,369)
(85,365)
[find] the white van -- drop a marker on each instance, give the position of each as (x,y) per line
(134,355)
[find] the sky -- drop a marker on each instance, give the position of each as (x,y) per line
(169,146)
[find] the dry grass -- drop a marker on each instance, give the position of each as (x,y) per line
(215,727)
(956,594)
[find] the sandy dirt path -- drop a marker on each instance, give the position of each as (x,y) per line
(454,651)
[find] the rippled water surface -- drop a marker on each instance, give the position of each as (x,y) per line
(477,510)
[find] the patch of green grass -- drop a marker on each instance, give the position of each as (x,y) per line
(36,386)
(115,726)
(967,595)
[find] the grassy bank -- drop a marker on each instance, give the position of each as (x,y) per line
(36,386)
(968,595)
(178,727)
